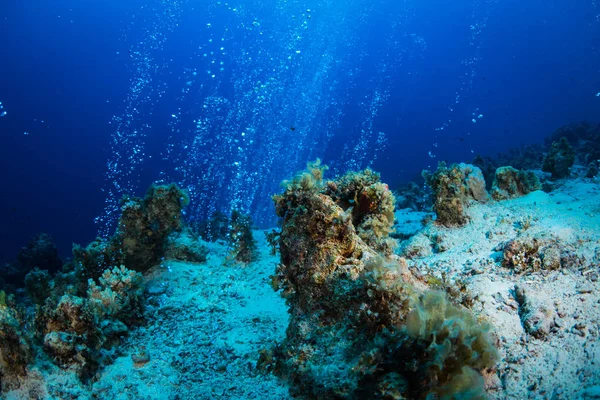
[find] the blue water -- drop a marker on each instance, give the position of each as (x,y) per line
(105,97)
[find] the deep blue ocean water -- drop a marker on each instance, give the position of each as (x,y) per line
(103,98)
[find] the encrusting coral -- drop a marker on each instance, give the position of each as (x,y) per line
(453,188)
(585,139)
(510,183)
(74,330)
(76,317)
(372,206)
(185,246)
(530,253)
(241,239)
(560,159)
(14,349)
(361,325)
(40,252)
(142,229)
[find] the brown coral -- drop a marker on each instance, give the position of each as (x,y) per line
(349,300)
(371,204)
(453,188)
(14,350)
(529,253)
(139,242)
(510,183)
(241,238)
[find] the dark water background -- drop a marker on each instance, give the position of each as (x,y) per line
(65,71)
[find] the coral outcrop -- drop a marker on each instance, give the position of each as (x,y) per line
(14,349)
(584,137)
(117,295)
(39,285)
(510,183)
(370,204)
(215,228)
(235,230)
(453,188)
(528,157)
(560,159)
(530,253)
(241,239)
(77,316)
(70,334)
(185,246)
(140,237)
(76,330)
(98,296)
(361,325)
(40,252)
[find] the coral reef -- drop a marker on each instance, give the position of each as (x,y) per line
(584,137)
(528,157)
(185,246)
(75,330)
(98,296)
(241,239)
(453,188)
(510,183)
(77,316)
(14,350)
(412,196)
(39,285)
(71,335)
(40,252)
(580,145)
(560,159)
(361,325)
(371,206)
(142,229)
(529,253)
(215,228)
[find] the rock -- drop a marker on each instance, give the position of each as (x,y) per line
(418,246)
(535,310)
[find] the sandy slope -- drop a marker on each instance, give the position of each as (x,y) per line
(566,363)
(207,323)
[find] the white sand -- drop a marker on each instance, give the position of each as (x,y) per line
(566,363)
